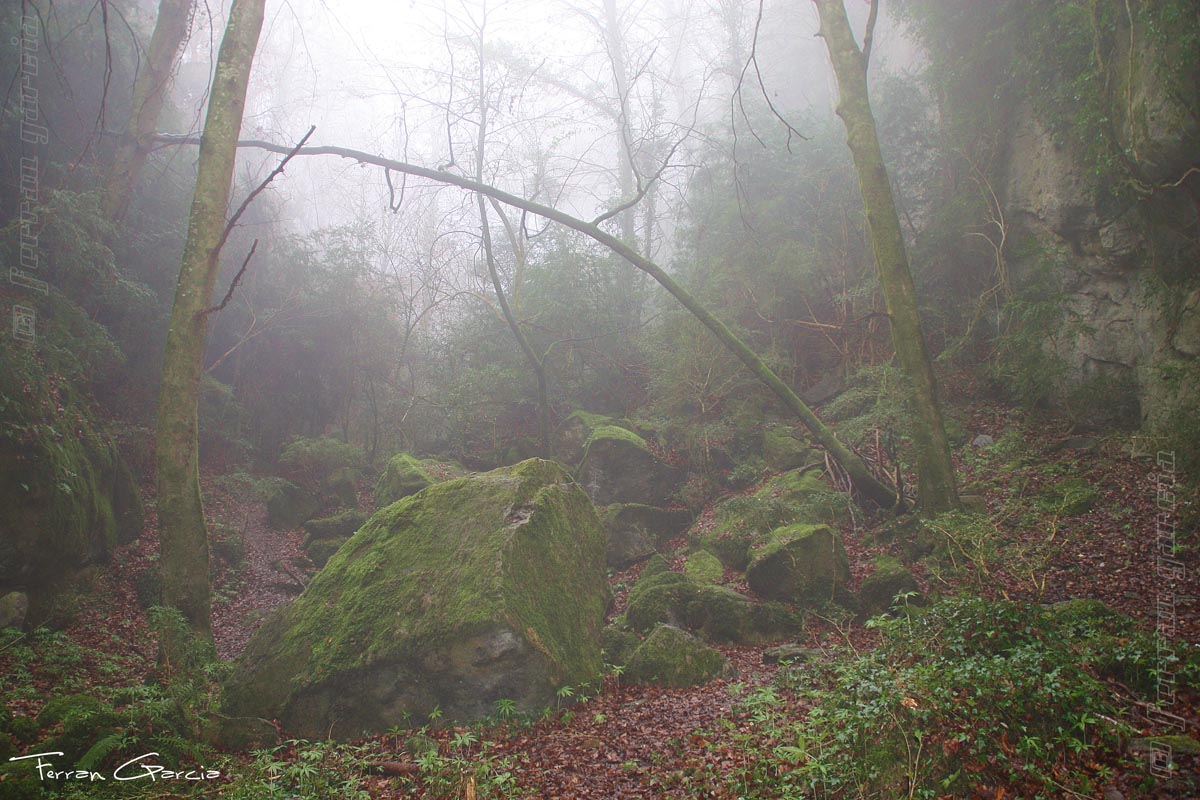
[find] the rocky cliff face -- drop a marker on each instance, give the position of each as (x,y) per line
(1127,262)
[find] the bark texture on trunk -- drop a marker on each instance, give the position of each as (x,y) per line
(937,490)
(183,537)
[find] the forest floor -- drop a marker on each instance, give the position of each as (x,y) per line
(637,741)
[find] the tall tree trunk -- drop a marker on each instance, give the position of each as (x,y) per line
(149,94)
(183,538)
(937,491)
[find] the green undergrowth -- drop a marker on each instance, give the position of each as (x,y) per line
(966,694)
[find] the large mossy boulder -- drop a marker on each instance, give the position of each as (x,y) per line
(671,657)
(68,497)
(618,467)
(474,590)
(635,530)
(289,505)
(571,438)
(403,476)
(800,562)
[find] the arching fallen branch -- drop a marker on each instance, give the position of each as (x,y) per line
(864,482)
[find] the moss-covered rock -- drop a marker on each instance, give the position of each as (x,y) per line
(403,476)
(618,467)
(744,521)
(654,565)
(340,526)
(618,643)
(67,496)
(671,657)
(635,530)
(289,505)
(659,598)
(319,551)
(783,451)
(879,589)
(800,562)
(470,591)
(571,438)
(703,567)
(723,615)
(341,486)
(13,608)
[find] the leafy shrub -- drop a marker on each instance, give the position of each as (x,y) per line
(969,693)
(311,461)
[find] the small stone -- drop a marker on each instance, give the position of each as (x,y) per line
(982,440)
(789,652)
(1112,793)
(13,608)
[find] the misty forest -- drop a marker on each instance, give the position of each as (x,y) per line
(600,399)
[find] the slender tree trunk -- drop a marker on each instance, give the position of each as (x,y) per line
(937,491)
(183,538)
(149,94)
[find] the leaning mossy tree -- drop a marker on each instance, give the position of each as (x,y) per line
(935,469)
(183,537)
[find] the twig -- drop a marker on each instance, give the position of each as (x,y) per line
(233,284)
(215,253)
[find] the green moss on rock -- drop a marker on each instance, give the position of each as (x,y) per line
(470,591)
(635,530)
(671,657)
(403,476)
(782,450)
(618,467)
(743,521)
(340,526)
(725,616)
(879,589)
(800,562)
(661,597)
(289,505)
(704,568)
(618,644)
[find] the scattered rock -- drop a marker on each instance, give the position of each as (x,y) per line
(671,657)
(339,526)
(790,652)
(704,568)
(983,440)
(783,451)
(879,589)
(635,530)
(403,476)
(473,590)
(289,505)
(618,467)
(342,486)
(13,608)
(800,562)
(725,616)
(659,598)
